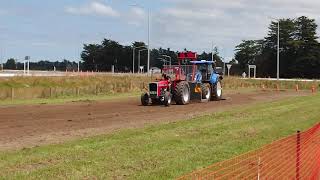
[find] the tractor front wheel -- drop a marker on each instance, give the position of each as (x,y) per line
(216,91)
(167,99)
(145,99)
(206,93)
(182,93)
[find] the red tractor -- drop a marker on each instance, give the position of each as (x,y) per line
(167,88)
(180,83)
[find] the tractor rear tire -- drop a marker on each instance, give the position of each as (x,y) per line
(167,99)
(205,90)
(216,91)
(145,99)
(182,93)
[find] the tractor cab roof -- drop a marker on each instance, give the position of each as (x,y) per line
(202,62)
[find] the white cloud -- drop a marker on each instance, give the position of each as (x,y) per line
(42,44)
(194,24)
(136,16)
(189,13)
(139,12)
(93,8)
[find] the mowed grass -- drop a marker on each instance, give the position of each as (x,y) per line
(165,151)
(69,81)
(68,99)
(19,89)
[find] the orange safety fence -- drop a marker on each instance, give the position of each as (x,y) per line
(294,157)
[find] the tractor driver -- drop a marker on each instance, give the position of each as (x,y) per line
(198,76)
(214,77)
(165,76)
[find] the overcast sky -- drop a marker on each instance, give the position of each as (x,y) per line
(58,29)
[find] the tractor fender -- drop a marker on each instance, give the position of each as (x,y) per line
(214,78)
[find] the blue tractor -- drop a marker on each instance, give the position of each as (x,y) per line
(206,77)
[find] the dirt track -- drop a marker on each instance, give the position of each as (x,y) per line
(33,125)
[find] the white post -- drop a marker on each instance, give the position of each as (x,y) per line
(24,67)
(229,67)
(112,69)
(28,66)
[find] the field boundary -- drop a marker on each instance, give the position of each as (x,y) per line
(294,157)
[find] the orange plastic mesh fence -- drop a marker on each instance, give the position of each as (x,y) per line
(294,157)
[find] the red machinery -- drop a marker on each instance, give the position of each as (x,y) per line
(172,85)
(176,85)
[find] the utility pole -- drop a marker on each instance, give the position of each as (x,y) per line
(133,59)
(148,65)
(139,60)
(134,54)
(169,59)
(212,52)
(278,52)
(278,47)
(139,57)
(149,46)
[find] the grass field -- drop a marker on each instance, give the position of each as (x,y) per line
(67,99)
(18,89)
(122,81)
(100,97)
(164,151)
(32,88)
(68,81)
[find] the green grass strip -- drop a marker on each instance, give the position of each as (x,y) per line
(165,151)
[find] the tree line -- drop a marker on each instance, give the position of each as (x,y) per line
(43,65)
(299,50)
(101,57)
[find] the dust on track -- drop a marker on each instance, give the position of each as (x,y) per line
(34,125)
